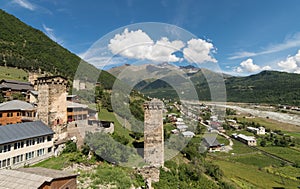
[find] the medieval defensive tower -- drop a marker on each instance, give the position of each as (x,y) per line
(52,103)
(153,133)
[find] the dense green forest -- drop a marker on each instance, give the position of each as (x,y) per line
(27,48)
(271,87)
(266,87)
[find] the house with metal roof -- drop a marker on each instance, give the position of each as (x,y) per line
(249,140)
(16,111)
(11,87)
(25,143)
(37,178)
(188,134)
(76,111)
(210,142)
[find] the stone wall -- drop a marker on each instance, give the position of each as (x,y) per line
(153,133)
(52,103)
(150,174)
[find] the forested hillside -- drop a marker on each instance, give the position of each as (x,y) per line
(266,87)
(27,48)
(271,87)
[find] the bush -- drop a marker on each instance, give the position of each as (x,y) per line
(263,143)
(213,171)
(70,147)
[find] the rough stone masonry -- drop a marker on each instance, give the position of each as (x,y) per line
(52,104)
(153,133)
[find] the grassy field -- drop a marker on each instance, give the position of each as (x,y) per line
(222,140)
(286,171)
(240,148)
(249,168)
(249,176)
(283,152)
(64,160)
(13,74)
(257,159)
(119,129)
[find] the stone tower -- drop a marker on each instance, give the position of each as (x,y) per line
(52,100)
(153,133)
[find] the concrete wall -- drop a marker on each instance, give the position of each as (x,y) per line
(26,149)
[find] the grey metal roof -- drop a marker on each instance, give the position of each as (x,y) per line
(11,179)
(16,105)
(211,139)
(188,133)
(35,93)
(29,178)
(75,105)
(15,85)
(51,173)
(21,131)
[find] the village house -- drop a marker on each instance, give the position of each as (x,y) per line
(175,131)
(211,143)
(9,88)
(257,131)
(37,177)
(16,111)
(76,111)
(182,128)
(188,134)
(213,118)
(232,123)
(73,98)
(216,126)
(25,143)
(249,140)
(32,97)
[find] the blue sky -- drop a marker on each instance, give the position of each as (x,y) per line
(247,36)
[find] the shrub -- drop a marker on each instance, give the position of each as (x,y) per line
(70,147)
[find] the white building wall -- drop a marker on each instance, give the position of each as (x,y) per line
(26,149)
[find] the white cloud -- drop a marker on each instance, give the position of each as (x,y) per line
(249,66)
(25,4)
(100,58)
(138,45)
(239,70)
(51,35)
(198,51)
(290,42)
(291,64)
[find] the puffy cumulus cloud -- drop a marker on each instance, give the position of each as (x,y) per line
(249,66)
(198,51)
(162,50)
(137,44)
(291,64)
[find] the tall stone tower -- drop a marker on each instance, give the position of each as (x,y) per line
(52,100)
(153,133)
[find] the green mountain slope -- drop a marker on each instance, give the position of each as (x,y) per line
(266,87)
(27,48)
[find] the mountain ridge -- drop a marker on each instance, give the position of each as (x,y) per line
(273,87)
